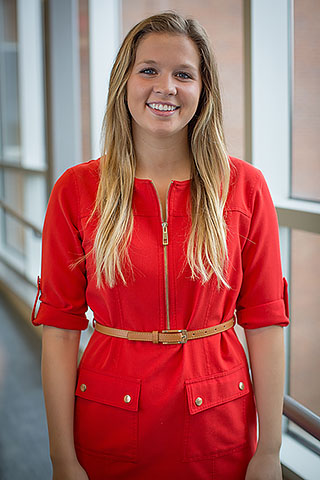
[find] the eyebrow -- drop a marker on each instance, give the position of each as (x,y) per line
(186,66)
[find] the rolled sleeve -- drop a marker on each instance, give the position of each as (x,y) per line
(62,287)
(263,297)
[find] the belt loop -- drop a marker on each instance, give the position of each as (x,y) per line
(155,336)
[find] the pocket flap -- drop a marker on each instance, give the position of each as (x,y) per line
(207,392)
(104,388)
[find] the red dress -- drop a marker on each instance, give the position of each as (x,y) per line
(161,432)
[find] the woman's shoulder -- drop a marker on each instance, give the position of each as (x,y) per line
(245,181)
(83,177)
(240,170)
(76,188)
(81,173)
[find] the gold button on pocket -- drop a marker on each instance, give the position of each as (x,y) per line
(111,404)
(217,404)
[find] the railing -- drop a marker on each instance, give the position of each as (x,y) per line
(20,218)
(301,416)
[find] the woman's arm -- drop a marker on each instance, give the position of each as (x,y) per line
(59,370)
(266,352)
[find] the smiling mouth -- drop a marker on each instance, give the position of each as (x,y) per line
(163,107)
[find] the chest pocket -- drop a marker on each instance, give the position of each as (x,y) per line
(106,414)
(220,414)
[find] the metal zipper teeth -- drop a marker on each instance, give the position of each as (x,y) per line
(164,226)
(166,272)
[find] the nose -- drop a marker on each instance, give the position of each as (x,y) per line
(165,85)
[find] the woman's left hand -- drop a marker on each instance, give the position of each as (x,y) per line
(264,466)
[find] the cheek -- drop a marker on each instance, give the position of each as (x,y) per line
(136,95)
(192,97)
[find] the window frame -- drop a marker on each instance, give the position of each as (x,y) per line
(269,87)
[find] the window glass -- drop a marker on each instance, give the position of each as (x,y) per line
(13,190)
(14,238)
(224,24)
(9,116)
(305,326)
(25,193)
(23,182)
(9,26)
(306,101)
(20,246)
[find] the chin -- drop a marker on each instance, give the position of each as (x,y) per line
(162,133)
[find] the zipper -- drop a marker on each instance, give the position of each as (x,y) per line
(165,242)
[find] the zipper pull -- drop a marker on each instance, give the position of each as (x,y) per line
(164,233)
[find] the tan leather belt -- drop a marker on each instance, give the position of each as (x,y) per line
(167,337)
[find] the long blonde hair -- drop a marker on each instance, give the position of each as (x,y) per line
(207,246)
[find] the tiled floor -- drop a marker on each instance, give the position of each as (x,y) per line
(23,434)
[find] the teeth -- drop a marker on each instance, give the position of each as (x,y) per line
(165,108)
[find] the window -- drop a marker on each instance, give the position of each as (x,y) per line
(282,96)
(23,187)
(305,245)
(306,100)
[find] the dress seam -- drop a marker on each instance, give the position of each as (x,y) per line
(79,217)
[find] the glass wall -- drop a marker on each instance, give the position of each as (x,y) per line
(305,185)
(306,100)
(284,83)
(305,326)
(23,167)
(26,143)
(9,95)
(305,175)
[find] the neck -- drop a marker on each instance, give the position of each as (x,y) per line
(162,158)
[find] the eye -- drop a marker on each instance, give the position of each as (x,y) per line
(148,71)
(184,75)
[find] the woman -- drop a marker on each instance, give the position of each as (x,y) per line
(164,237)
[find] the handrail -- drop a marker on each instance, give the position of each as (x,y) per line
(23,169)
(302,416)
(20,218)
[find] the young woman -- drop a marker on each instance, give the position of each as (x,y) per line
(165,238)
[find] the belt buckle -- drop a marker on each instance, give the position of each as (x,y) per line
(184,337)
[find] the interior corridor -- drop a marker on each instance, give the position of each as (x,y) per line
(23,432)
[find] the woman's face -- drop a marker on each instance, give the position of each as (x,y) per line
(164,86)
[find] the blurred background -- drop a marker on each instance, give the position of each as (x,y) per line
(55,59)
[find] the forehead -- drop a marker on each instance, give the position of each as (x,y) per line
(173,48)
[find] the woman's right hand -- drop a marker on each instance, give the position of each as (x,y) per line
(68,471)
